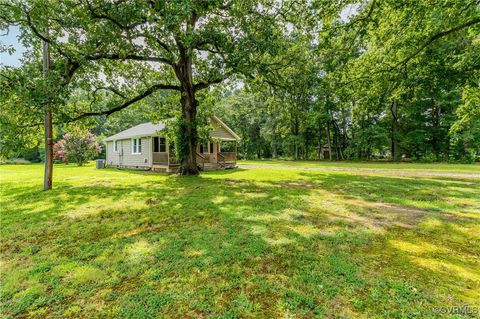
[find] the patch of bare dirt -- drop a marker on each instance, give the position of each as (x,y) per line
(366,170)
(152,201)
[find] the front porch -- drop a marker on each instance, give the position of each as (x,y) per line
(209,155)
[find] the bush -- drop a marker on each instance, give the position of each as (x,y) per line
(32,155)
(77,148)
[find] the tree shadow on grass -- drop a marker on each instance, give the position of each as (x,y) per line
(190,247)
(435,194)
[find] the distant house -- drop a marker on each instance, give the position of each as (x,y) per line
(145,147)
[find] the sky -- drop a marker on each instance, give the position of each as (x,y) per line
(10,39)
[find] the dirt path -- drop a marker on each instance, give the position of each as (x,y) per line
(367,170)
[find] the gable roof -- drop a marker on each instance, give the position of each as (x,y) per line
(145,129)
(229,130)
(149,129)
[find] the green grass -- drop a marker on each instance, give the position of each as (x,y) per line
(433,167)
(259,243)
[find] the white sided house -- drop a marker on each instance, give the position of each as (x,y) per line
(145,147)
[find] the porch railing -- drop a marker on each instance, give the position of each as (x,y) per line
(200,160)
(164,158)
(221,159)
(228,157)
(160,158)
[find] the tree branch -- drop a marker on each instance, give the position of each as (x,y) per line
(44,38)
(108,88)
(436,37)
(204,85)
(129,57)
(104,16)
(137,98)
(365,22)
(406,60)
(163,45)
(94,57)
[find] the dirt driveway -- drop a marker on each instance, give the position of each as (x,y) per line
(405,172)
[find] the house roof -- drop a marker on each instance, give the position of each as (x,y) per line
(229,130)
(149,129)
(145,129)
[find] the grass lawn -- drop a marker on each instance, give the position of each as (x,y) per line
(256,243)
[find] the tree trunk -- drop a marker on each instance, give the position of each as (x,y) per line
(295,131)
(394,137)
(187,128)
(437,112)
(329,143)
(340,151)
(338,148)
(245,145)
(274,145)
(344,137)
(258,148)
(48,174)
(320,146)
(188,139)
(305,142)
(447,151)
(335,140)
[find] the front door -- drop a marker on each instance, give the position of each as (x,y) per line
(159,150)
(213,152)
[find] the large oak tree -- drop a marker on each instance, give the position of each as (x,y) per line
(136,48)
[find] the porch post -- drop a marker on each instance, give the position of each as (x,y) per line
(215,152)
(167,145)
(152,148)
(236,151)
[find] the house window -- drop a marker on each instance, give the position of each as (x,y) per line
(159,144)
(211,148)
(162,145)
(136,146)
(115,146)
(204,148)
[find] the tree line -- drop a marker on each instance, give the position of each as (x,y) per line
(397,81)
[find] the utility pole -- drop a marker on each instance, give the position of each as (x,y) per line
(47,180)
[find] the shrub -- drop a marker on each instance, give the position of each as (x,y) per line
(78,148)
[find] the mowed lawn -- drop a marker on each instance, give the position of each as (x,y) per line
(244,243)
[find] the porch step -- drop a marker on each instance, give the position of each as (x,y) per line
(212,167)
(159,168)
